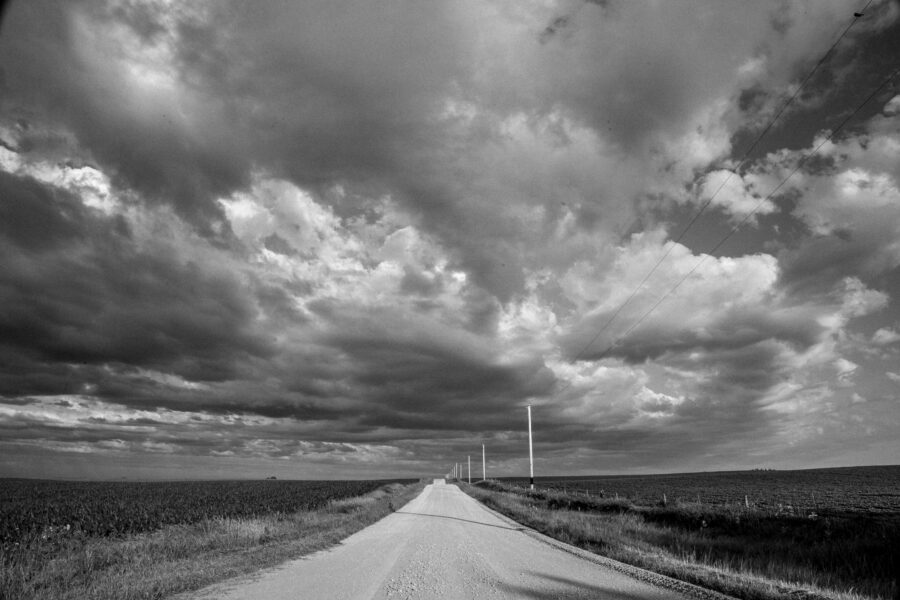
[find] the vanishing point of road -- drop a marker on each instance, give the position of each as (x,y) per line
(444,544)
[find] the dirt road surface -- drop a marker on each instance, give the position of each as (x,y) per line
(444,544)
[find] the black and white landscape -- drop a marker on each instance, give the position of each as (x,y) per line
(355,239)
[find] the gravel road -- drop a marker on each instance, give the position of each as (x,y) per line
(444,544)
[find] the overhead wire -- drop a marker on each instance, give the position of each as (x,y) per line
(749,215)
(790,100)
(731,173)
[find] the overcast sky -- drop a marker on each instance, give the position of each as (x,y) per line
(355,239)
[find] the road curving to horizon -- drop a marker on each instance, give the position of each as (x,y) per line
(444,544)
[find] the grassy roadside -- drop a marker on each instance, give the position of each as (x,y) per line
(752,556)
(181,558)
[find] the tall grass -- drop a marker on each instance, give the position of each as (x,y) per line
(179,558)
(738,550)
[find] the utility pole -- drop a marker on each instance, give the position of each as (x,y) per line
(530,452)
(483,470)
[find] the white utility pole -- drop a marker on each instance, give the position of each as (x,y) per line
(470,470)
(483,470)
(530,452)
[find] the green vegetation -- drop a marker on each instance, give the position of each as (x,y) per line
(53,562)
(745,551)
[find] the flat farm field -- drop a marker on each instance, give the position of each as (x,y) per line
(754,535)
(64,509)
(869,490)
(148,540)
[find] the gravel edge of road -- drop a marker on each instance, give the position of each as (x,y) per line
(638,573)
(212,590)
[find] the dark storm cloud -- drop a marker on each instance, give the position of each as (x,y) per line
(54,71)
(618,100)
(77,290)
(98,434)
(420,377)
(239,398)
(91,426)
(728,330)
(506,162)
(814,266)
(356,101)
(26,375)
(861,246)
(38,218)
(359,100)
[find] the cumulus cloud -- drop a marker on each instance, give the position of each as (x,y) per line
(355,233)
(736,194)
(893,106)
(885,336)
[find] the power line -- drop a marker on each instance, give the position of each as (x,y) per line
(790,100)
(731,173)
(746,218)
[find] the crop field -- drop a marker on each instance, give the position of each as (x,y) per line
(60,509)
(870,490)
(783,532)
